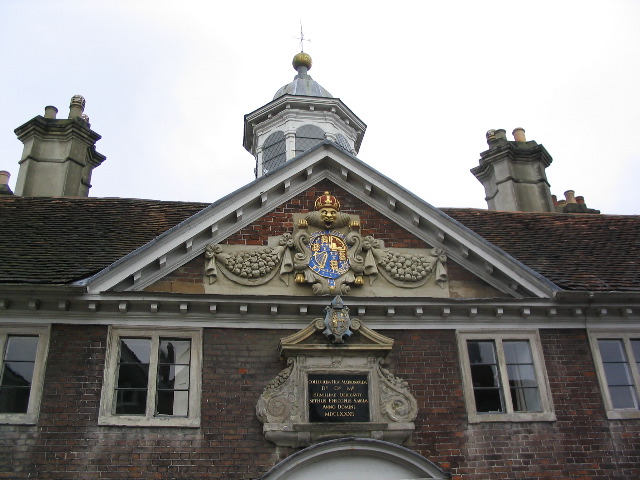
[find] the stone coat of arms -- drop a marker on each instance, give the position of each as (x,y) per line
(327,252)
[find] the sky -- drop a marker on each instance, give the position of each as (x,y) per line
(167,85)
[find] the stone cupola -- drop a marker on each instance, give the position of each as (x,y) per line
(301,115)
(59,154)
(513,173)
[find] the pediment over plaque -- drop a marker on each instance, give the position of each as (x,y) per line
(336,387)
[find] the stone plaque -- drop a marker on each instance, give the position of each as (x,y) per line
(338,397)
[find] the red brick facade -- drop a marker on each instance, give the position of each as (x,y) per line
(68,443)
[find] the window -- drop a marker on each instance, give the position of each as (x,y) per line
(503,377)
(273,152)
(152,378)
(307,137)
(617,359)
(23,353)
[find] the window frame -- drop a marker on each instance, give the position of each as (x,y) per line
(546,415)
(37,382)
(626,337)
(107,400)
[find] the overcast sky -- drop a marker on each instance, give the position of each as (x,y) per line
(167,84)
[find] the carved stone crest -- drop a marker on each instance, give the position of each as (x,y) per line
(337,321)
(327,252)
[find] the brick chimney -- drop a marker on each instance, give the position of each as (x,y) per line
(59,154)
(513,173)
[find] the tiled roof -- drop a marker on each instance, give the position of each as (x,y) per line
(61,240)
(575,251)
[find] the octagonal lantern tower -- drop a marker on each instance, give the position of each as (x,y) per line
(301,115)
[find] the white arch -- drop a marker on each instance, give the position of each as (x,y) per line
(355,458)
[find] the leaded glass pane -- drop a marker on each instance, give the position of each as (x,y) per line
(273,151)
(307,137)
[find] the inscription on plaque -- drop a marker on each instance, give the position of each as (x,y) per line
(338,398)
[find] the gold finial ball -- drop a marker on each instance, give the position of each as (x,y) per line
(302,60)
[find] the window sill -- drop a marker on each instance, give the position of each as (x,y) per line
(512,417)
(623,414)
(140,421)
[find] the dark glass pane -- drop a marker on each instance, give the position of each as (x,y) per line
(307,136)
(17,374)
(618,374)
(21,348)
(173,402)
(488,401)
(517,351)
(171,377)
(14,400)
(623,397)
(273,151)
(612,350)
(481,352)
(522,376)
(635,347)
(133,376)
(131,402)
(526,400)
(175,351)
(485,376)
(135,350)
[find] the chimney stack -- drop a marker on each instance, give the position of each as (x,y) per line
(59,154)
(513,173)
(4,183)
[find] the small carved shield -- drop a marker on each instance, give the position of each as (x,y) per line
(337,321)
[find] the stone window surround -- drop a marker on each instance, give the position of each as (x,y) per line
(625,336)
(35,395)
(533,337)
(107,406)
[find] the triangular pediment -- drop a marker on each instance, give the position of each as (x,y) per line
(324,163)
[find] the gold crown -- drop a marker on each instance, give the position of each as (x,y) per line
(327,200)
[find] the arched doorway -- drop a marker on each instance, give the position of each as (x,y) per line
(353,459)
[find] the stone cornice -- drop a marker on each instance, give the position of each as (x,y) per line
(139,308)
(271,109)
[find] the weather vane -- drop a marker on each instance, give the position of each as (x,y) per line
(301,38)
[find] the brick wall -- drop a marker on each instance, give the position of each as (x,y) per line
(68,443)
(279,221)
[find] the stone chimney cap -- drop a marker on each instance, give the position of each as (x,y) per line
(4,183)
(50,112)
(76,107)
(518,134)
(570,195)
